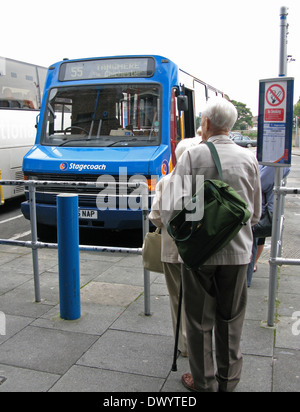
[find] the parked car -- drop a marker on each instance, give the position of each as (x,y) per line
(242,140)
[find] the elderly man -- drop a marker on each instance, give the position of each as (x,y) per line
(215,296)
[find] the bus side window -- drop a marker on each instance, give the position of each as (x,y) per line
(189,118)
(19,85)
(211,93)
(4,103)
(200,101)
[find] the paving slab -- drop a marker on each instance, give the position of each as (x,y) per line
(86,379)
(114,347)
(135,353)
(110,293)
(95,319)
(45,350)
(286,370)
(13,379)
(257,374)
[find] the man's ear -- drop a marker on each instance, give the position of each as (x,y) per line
(208,123)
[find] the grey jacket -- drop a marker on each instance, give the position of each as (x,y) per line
(240,170)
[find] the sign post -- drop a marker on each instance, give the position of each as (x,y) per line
(274,146)
(275,122)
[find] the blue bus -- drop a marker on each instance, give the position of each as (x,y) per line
(111,118)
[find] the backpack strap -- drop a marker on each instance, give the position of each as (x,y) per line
(216,158)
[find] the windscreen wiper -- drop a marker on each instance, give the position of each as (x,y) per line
(73,140)
(123,141)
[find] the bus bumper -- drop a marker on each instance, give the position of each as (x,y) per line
(92,218)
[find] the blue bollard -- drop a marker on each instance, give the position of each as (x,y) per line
(68,256)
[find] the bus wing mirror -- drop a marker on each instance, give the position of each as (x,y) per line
(37,121)
(182,103)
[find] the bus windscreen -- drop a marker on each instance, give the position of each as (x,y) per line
(103,116)
(107,69)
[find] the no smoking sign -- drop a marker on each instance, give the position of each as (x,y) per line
(275,95)
(275,103)
(275,121)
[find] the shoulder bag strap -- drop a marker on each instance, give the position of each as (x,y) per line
(216,158)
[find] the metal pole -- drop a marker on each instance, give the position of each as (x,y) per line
(277,212)
(283,41)
(275,248)
(34,240)
(146,228)
(68,256)
(289,262)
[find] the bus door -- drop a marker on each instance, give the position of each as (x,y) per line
(182,118)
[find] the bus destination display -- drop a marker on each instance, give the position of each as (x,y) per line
(107,69)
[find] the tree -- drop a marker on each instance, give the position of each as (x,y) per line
(297,112)
(245,116)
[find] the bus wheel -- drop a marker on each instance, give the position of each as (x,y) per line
(46,233)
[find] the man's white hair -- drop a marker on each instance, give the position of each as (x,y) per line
(222,114)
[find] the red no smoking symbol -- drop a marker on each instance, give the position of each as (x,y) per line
(275,95)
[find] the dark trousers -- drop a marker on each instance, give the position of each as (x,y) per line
(215,299)
(252,263)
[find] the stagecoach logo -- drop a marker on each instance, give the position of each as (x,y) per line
(81,167)
(165,168)
(64,166)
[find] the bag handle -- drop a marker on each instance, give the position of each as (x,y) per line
(216,158)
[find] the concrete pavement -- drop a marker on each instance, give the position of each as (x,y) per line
(114,347)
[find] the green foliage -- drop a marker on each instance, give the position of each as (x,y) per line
(244,118)
(297,112)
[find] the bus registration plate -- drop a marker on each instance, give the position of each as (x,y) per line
(88,214)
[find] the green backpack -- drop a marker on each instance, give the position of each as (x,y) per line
(225,213)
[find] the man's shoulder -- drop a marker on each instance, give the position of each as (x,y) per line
(238,151)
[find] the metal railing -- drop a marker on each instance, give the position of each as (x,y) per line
(34,244)
(276,259)
(1,192)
